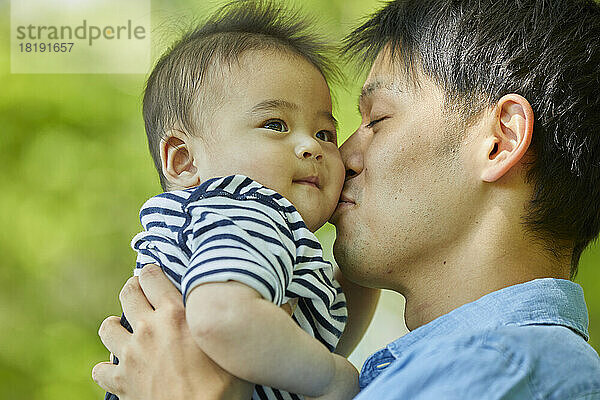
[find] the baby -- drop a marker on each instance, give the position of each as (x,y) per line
(239,123)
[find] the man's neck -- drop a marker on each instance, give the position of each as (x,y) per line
(451,279)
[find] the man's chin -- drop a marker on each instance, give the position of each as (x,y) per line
(346,262)
(340,249)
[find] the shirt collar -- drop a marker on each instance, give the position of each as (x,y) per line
(241,186)
(545,301)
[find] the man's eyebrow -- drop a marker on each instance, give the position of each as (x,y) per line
(371,87)
(273,104)
(368,89)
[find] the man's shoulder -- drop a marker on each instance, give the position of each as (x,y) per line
(560,364)
(534,340)
(536,361)
(539,341)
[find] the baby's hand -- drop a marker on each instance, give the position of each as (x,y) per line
(344,385)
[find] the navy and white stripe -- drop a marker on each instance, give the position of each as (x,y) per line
(234,228)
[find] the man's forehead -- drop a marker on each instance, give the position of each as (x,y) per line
(387,73)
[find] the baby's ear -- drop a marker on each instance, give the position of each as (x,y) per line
(177,160)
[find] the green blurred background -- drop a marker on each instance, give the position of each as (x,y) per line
(74,171)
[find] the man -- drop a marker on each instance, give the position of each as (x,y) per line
(473,185)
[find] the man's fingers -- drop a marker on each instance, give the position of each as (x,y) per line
(133,301)
(158,288)
(113,335)
(104,374)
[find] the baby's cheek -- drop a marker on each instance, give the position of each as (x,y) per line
(340,174)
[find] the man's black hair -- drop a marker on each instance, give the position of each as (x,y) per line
(548,51)
(180,91)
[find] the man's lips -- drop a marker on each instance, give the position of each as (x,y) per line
(345,199)
(344,203)
(310,181)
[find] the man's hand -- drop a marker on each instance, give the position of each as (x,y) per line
(160,360)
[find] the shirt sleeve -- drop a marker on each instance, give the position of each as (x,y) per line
(246,241)
(161,216)
(455,372)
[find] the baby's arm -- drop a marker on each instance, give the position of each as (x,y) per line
(361,303)
(255,340)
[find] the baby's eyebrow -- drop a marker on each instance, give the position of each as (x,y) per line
(278,104)
(330,117)
(274,104)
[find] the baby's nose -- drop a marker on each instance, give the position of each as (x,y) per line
(306,154)
(309,149)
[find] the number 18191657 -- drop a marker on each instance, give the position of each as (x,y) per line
(46,47)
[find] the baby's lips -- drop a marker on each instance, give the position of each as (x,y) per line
(310,179)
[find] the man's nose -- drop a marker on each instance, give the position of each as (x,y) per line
(309,148)
(352,154)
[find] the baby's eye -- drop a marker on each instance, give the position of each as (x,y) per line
(326,136)
(276,125)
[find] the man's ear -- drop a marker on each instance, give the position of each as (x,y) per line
(177,162)
(510,138)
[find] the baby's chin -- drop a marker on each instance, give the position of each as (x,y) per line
(313,220)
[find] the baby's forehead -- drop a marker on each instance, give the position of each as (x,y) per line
(250,63)
(268,80)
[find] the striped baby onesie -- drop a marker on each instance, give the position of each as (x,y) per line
(233,228)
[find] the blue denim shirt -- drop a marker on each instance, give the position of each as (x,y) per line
(527,341)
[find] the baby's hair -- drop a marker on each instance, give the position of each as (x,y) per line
(182,89)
